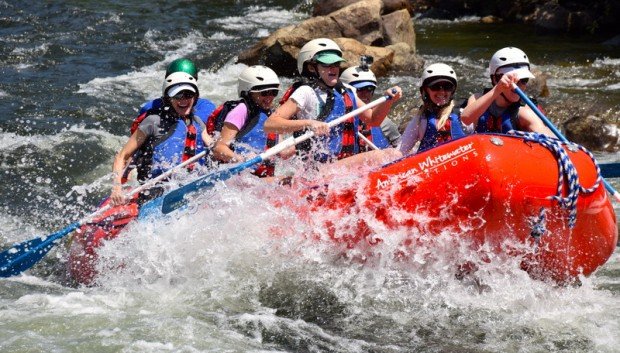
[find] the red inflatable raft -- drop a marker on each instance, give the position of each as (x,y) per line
(89,237)
(489,190)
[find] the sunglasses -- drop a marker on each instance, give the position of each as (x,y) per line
(369,89)
(269,93)
(331,66)
(184,95)
(446,86)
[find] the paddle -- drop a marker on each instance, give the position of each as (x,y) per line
(372,145)
(550,125)
(22,256)
(175,198)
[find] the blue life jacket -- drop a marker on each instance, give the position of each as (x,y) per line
(253,140)
(450,131)
(506,121)
(378,138)
(342,136)
(168,151)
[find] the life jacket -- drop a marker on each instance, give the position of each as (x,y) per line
(251,137)
(178,141)
(343,140)
(508,120)
(451,130)
(373,134)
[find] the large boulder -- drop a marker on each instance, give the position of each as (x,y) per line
(397,28)
(362,28)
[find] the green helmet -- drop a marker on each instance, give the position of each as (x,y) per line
(182,65)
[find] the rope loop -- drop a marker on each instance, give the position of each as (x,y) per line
(567,170)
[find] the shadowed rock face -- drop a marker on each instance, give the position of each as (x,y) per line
(383,29)
(576,17)
(593,133)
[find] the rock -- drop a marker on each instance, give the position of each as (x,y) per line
(491,20)
(326,7)
(405,60)
(554,17)
(358,28)
(397,28)
(390,6)
(615,41)
(537,87)
(593,133)
(361,21)
(550,16)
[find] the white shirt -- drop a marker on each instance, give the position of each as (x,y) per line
(308,102)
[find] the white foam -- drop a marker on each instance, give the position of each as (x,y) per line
(606,62)
(464,19)
(10,141)
(221,36)
(146,81)
(257,17)
(39,50)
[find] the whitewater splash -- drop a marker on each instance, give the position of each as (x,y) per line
(245,273)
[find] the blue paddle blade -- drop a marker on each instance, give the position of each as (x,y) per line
(610,170)
(175,199)
(23,256)
(151,208)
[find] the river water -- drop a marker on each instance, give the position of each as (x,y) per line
(217,279)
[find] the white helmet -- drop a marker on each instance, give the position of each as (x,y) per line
(313,47)
(356,74)
(182,81)
(256,79)
(507,56)
(435,71)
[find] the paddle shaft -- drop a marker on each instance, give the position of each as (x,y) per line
(552,127)
(368,142)
(148,184)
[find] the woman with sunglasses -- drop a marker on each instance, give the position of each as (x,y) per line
(166,136)
(203,107)
(241,127)
(499,109)
(320,98)
(436,121)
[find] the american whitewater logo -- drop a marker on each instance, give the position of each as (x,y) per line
(435,164)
